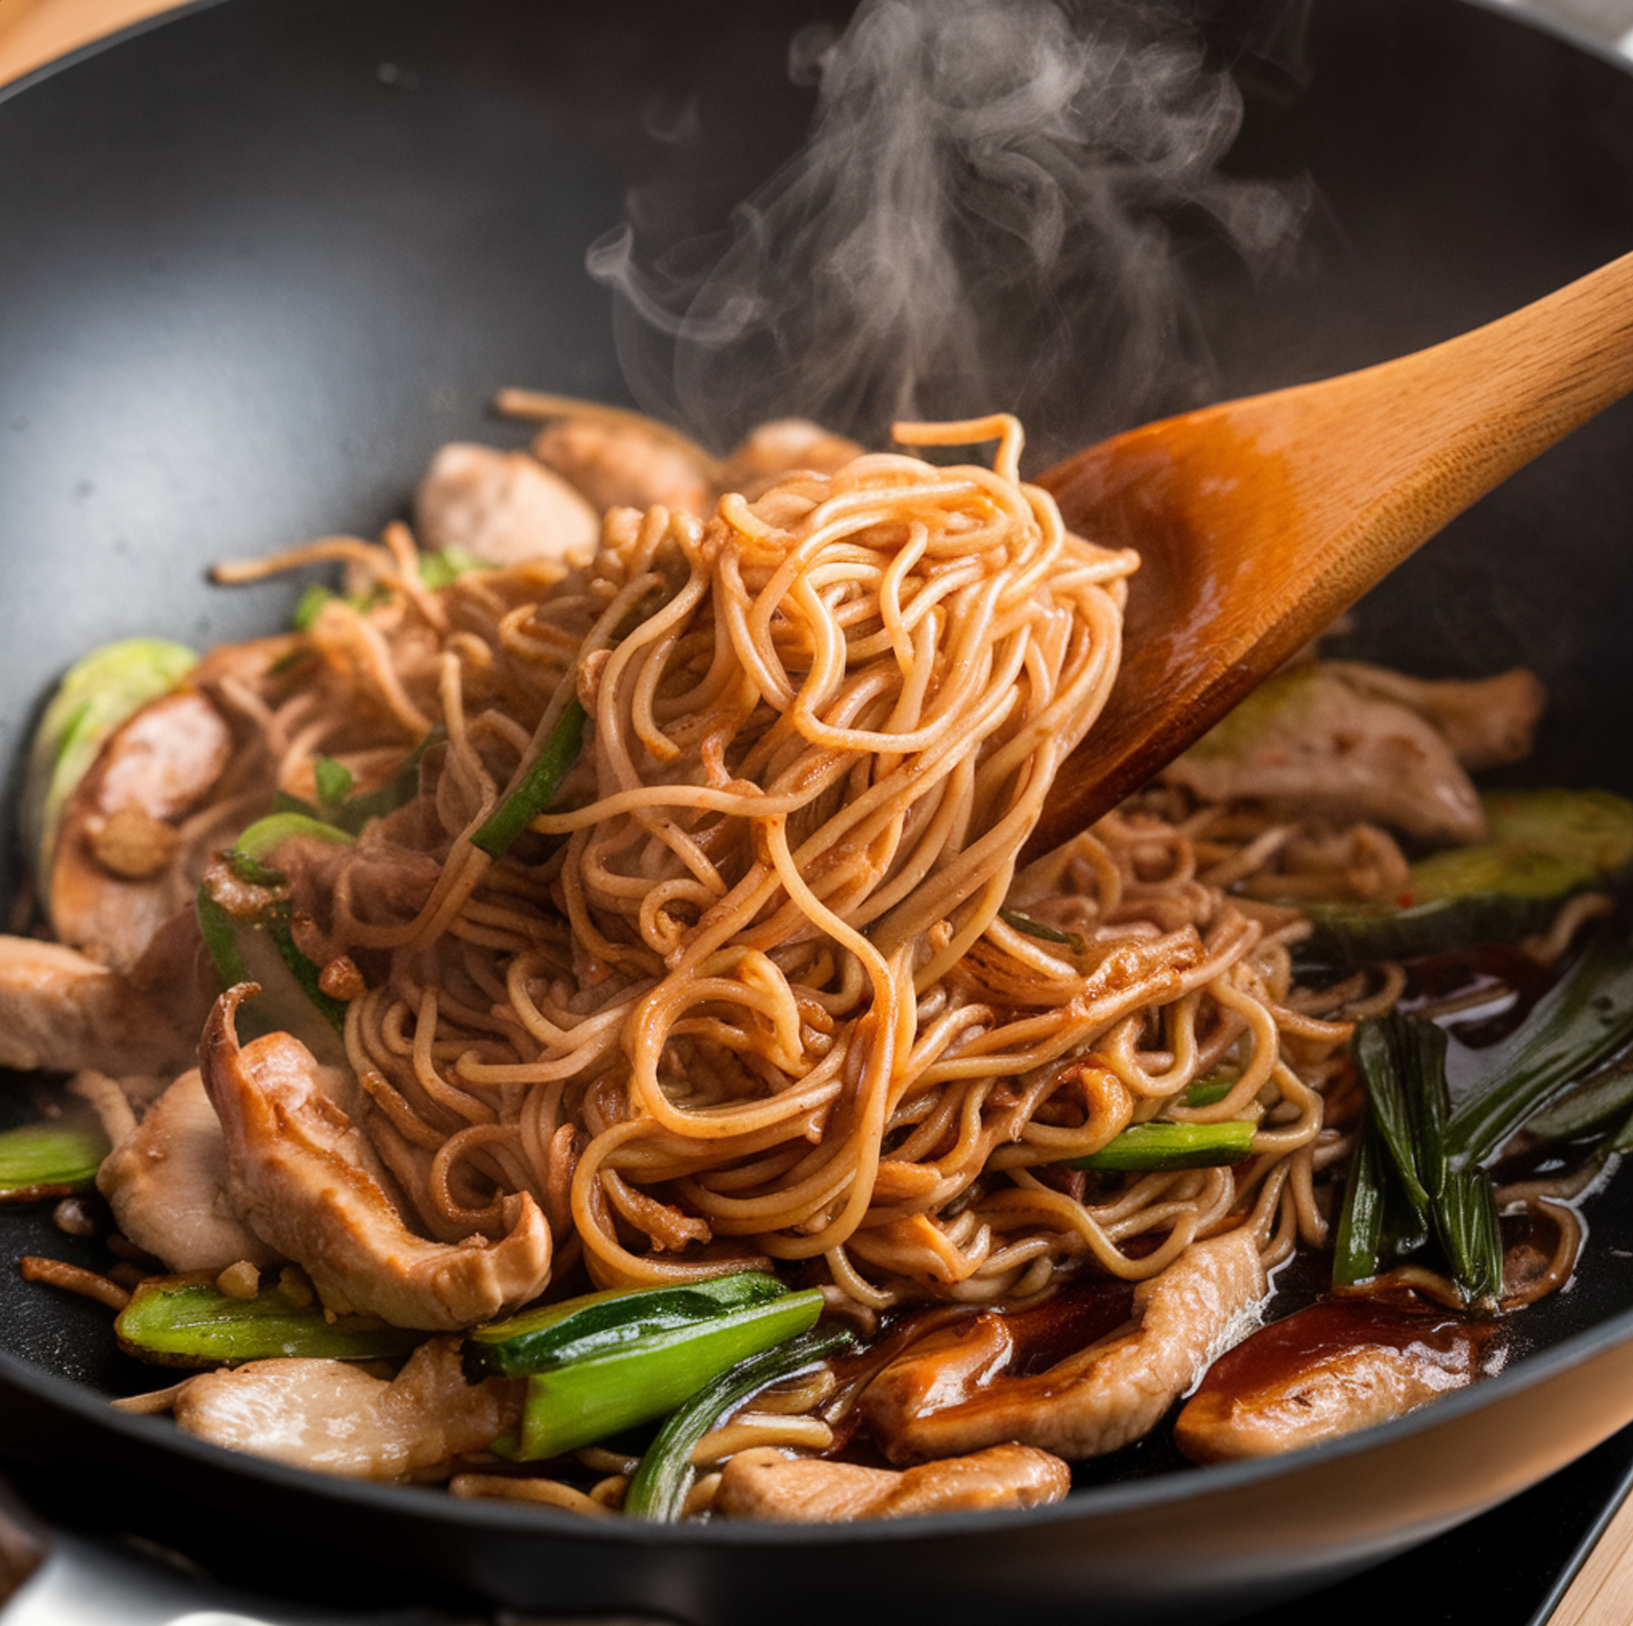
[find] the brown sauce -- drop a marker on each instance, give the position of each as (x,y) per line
(1280,1352)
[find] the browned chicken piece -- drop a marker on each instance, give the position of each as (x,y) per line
(502,507)
(1312,742)
(167,1185)
(120,870)
(1487,722)
(1323,1372)
(62,1012)
(776,449)
(951,1393)
(618,463)
(337,1419)
(301,1176)
(765,1484)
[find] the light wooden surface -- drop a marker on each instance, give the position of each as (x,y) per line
(34,32)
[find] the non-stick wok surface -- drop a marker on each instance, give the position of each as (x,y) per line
(258,262)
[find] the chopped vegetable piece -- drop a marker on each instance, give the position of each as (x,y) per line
(1161,1145)
(1544,846)
(438,570)
(355,812)
(1466,1219)
(1037,928)
(1209,1091)
(249,854)
(585,1400)
(49,1159)
(1358,1248)
(1580,1022)
(97,694)
(599,1322)
(1603,1100)
(259,947)
(658,1490)
(187,1321)
(539,784)
(334,780)
(310,605)
(1402,1061)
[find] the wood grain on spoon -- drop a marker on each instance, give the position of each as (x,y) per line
(1258,521)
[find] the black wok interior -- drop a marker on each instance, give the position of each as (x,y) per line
(256,263)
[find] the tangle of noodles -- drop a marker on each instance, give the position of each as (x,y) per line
(744,991)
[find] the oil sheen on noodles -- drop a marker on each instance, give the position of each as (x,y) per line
(744,992)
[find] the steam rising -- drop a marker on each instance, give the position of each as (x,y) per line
(995,209)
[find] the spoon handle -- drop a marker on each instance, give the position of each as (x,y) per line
(1260,520)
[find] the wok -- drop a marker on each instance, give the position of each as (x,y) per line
(258,261)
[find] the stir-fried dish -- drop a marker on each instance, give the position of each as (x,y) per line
(566,1019)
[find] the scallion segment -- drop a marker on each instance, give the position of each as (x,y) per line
(259,945)
(188,1321)
(1402,1062)
(337,807)
(1161,1145)
(1583,1020)
(598,1323)
(658,1490)
(49,1159)
(496,835)
(1359,1244)
(582,1401)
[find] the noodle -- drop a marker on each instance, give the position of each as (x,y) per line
(743,992)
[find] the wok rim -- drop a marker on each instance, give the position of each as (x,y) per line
(1085,1506)
(1172,1488)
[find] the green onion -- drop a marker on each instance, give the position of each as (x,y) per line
(1162,1145)
(1037,928)
(598,1323)
(187,1321)
(441,569)
(1470,1233)
(539,785)
(1580,1022)
(1402,1062)
(586,1400)
(1358,1247)
(355,812)
(309,606)
(1602,1100)
(261,947)
(1210,1091)
(334,780)
(49,1159)
(658,1490)
(249,854)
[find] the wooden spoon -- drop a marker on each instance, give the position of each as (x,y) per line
(1258,521)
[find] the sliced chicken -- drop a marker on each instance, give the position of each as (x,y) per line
(121,868)
(776,449)
(952,1392)
(618,462)
(1323,1372)
(337,1419)
(167,1185)
(1487,722)
(303,1179)
(63,1012)
(1314,743)
(502,507)
(765,1484)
